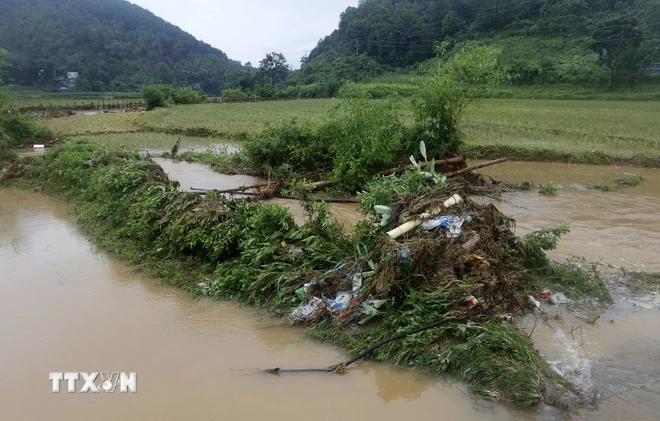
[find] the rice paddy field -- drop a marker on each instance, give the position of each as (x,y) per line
(542,130)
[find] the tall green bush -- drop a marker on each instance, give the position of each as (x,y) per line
(229,95)
(186,95)
(453,82)
(153,97)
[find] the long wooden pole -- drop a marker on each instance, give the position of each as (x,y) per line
(475,167)
(281,196)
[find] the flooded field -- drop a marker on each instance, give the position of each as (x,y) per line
(68,307)
(618,228)
(617,357)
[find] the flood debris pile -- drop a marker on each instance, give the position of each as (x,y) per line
(426,252)
(460,262)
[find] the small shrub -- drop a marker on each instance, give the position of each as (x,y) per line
(452,84)
(187,95)
(265,91)
(230,95)
(289,146)
(153,97)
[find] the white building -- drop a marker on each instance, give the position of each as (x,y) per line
(72,75)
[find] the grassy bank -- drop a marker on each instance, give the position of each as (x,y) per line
(158,141)
(593,132)
(254,253)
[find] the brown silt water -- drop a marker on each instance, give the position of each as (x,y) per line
(67,306)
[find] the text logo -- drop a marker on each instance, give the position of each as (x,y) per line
(94,382)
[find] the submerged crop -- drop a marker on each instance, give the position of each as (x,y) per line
(466,265)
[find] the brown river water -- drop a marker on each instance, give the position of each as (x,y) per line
(69,307)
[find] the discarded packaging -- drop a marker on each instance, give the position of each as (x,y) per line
(452,224)
(340,302)
(533,301)
(306,311)
(471,301)
(410,225)
(405,255)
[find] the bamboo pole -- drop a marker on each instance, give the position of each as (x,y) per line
(280,196)
(475,167)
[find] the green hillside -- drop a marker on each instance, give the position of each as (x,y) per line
(542,41)
(112,44)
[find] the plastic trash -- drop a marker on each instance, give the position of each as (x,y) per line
(385,213)
(405,256)
(471,301)
(437,223)
(340,302)
(306,311)
(452,224)
(559,298)
(533,301)
(300,292)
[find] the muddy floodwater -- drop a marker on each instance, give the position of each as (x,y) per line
(194,176)
(617,228)
(618,357)
(66,306)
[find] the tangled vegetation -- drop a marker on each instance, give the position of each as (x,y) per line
(155,96)
(255,253)
(361,137)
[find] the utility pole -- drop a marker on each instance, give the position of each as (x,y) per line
(357,46)
(497,15)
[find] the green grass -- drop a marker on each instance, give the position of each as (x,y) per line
(146,140)
(593,132)
(233,121)
(596,132)
(93,124)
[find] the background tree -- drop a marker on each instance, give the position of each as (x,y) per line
(4,93)
(273,69)
(617,40)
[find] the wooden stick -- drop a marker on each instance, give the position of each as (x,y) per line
(475,167)
(448,161)
(280,196)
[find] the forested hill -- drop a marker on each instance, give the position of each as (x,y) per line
(112,44)
(539,38)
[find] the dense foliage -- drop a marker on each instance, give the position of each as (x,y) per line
(360,137)
(544,41)
(112,44)
(160,95)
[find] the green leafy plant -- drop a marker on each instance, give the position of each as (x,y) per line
(453,82)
